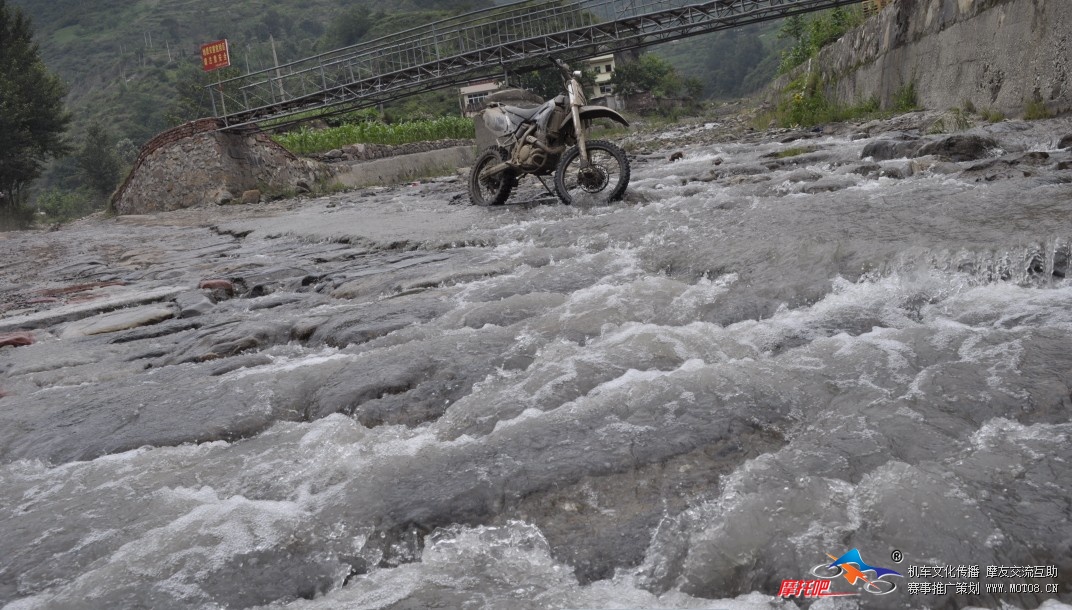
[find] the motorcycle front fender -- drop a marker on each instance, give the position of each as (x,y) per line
(587,113)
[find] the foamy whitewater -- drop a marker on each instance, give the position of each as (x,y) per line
(677,401)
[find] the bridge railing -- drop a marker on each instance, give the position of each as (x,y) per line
(290,85)
(446,51)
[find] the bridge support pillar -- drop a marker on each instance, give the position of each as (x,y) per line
(194,164)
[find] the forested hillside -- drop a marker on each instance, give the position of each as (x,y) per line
(134,65)
(730,63)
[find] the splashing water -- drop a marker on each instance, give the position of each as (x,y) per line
(674,402)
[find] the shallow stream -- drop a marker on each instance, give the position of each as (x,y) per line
(773,350)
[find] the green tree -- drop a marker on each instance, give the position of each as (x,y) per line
(32,117)
(733,55)
(98,165)
(548,81)
(809,34)
(126,151)
(730,63)
(693,88)
(350,27)
(272,23)
(190,100)
(649,73)
(60,205)
(385,24)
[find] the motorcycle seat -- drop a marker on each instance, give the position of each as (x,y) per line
(524,113)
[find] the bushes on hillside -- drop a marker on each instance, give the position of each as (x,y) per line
(809,34)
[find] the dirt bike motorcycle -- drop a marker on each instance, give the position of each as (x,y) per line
(551,138)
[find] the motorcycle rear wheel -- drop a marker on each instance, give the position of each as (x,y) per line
(491,190)
(603,181)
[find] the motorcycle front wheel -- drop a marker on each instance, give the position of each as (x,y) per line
(602,181)
(490,190)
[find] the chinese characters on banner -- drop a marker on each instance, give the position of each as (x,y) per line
(215,55)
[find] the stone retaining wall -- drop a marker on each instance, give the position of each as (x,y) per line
(994,54)
(194,164)
(162,139)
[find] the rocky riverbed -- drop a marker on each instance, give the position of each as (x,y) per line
(782,344)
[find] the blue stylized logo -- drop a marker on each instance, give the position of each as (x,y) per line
(853,567)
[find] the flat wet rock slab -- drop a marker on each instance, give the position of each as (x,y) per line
(390,394)
(89,305)
(393,217)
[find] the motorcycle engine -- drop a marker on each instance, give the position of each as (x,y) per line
(531,158)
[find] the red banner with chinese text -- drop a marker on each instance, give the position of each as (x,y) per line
(215,55)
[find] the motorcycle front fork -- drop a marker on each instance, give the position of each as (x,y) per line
(580,131)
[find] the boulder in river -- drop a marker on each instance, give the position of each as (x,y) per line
(884,150)
(221,289)
(958,147)
(251,196)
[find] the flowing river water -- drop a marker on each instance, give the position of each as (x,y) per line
(776,348)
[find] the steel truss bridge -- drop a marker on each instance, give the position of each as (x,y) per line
(480,44)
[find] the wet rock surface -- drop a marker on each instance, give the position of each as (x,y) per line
(782,344)
(16,339)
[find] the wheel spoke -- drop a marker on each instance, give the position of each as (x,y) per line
(603,180)
(494,189)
